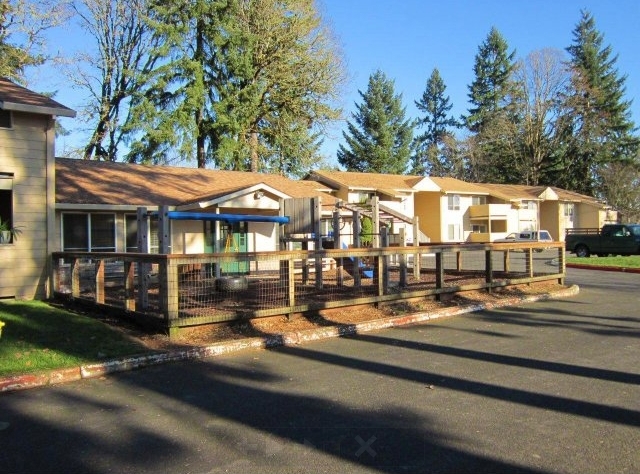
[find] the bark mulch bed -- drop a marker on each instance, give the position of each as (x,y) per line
(210,334)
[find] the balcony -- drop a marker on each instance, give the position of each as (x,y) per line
(489,211)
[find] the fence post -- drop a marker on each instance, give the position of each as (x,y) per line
(317,212)
(99,280)
(402,260)
(507,260)
(439,273)
(75,277)
(529,258)
(129,286)
(164,230)
(169,291)
(375,221)
(416,244)
(336,245)
(488,265)
(356,244)
(384,243)
(55,265)
(562,264)
(291,282)
(143,267)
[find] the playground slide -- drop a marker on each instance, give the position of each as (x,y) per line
(365,271)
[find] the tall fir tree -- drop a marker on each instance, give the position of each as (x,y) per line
(428,157)
(171,121)
(277,75)
(379,139)
(596,124)
(490,117)
(246,85)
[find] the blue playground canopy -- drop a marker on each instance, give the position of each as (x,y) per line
(207,216)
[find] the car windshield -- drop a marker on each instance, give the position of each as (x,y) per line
(544,235)
(635,229)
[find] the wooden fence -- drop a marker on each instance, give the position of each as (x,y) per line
(172,291)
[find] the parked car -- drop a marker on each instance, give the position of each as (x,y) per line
(611,239)
(528,236)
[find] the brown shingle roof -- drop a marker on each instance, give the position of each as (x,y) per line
(519,191)
(454,185)
(357,180)
(108,183)
(18,98)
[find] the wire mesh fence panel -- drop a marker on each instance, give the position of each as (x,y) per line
(205,288)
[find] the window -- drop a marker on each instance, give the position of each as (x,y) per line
(131,223)
(364,197)
(88,232)
(569,209)
(532,205)
(6,198)
(478,200)
(453,232)
(5,119)
(453,201)
(479,229)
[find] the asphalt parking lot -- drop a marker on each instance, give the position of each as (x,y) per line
(549,387)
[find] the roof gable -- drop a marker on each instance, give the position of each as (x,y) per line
(20,99)
(453,185)
(353,180)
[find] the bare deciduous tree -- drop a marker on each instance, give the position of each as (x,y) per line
(22,27)
(115,69)
(540,77)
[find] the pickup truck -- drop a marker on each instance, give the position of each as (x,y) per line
(612,239)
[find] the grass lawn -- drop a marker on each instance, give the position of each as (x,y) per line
(630,261)
(37,337)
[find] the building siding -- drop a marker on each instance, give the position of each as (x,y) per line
(23,153)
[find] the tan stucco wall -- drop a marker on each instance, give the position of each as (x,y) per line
(427,208)
(588,216)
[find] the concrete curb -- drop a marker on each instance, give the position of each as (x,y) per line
(54,377)
(586,266)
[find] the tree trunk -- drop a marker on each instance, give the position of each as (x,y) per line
(253,145)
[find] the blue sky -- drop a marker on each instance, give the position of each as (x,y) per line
(407,39)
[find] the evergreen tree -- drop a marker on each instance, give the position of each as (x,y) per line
(245,85)
(596,124)
(277,75)
(492,84)
(170,116)
(428,157)
(379,139)
(491,117)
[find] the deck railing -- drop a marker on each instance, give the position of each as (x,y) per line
(173,291)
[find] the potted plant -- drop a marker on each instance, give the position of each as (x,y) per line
(7,233)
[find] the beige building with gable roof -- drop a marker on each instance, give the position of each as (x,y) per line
(96,204)
(27,188)
(451,210)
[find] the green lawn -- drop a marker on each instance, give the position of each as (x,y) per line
(38,337)
(631,261)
